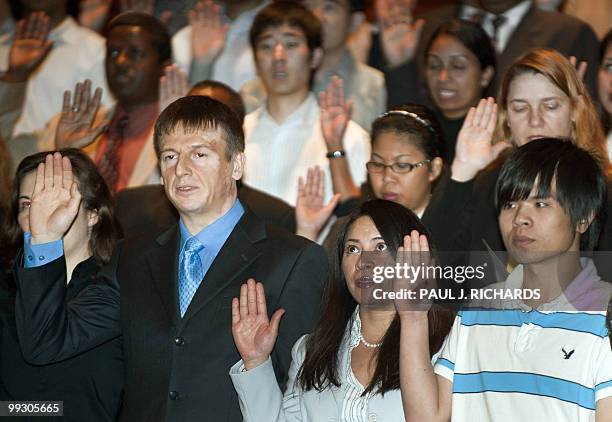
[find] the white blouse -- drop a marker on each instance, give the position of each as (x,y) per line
(261,399)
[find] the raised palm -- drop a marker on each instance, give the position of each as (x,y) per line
(474,150)
(76,125)
(335,113)
(55,201)
(30,46)
(254,335)
(207,31)
(399,35)
(311,213)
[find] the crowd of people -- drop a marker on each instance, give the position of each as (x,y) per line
(196,199)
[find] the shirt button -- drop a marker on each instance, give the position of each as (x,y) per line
(179,341)
(30,257)
(372,417)
(41,257)
(174,395)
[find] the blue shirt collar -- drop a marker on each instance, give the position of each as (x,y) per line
(215,234)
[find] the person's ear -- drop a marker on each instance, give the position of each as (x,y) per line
(92,218)
(584,224)
(239,160)
(317,58)
(487,76)
(436,166)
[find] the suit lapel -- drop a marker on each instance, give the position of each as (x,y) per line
(238,252)
(525,37)
(163,264)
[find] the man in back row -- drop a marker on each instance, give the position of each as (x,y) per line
(177,287)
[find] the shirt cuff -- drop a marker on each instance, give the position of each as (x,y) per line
(40,254)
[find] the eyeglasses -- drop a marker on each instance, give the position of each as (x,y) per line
(400,168)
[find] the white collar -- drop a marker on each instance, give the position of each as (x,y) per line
(515,14)
(303,114)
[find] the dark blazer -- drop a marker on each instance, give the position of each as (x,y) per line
(177,369)
(146,209)
(538,29)
(89,383)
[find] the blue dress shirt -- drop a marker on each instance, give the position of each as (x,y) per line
(212,237)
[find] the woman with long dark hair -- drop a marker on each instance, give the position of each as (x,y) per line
(348,368)
(89,383)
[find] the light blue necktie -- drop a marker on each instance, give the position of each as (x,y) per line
(190,273)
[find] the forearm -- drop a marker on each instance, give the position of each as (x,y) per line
(259,395)
(52,329)
(342,181)
(199,70)
(418,383)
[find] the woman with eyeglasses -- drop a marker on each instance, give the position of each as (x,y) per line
(405,165)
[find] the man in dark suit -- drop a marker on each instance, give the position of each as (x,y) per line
(177,287)
(146,208)
(535,29)
(143,208)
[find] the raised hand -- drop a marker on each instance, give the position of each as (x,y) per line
(474,150)
(76,125)
(207,31)
(399,35)
(581,67)
(172,86)
(414,252)
(253,333)
(335,113)
(29,48)
(56,199)
(93,13)
(311,213)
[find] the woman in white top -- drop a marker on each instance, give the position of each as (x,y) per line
(348,368)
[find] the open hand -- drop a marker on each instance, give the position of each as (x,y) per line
(311,213)
(56,199)
(474,150)
(29,48)
(399,35)
(253,333)
(207,31)
(414,253)
(335,113)
(172,86)
(76,125)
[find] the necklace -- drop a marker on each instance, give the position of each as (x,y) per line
(370,345)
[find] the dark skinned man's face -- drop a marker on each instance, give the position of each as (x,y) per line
(133,66)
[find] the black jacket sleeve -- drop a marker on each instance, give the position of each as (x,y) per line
(51,328)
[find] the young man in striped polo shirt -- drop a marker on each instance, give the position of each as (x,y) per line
(543,359)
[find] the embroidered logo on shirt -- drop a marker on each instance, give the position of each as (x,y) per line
(567,355)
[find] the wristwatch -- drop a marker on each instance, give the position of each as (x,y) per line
(336,154)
